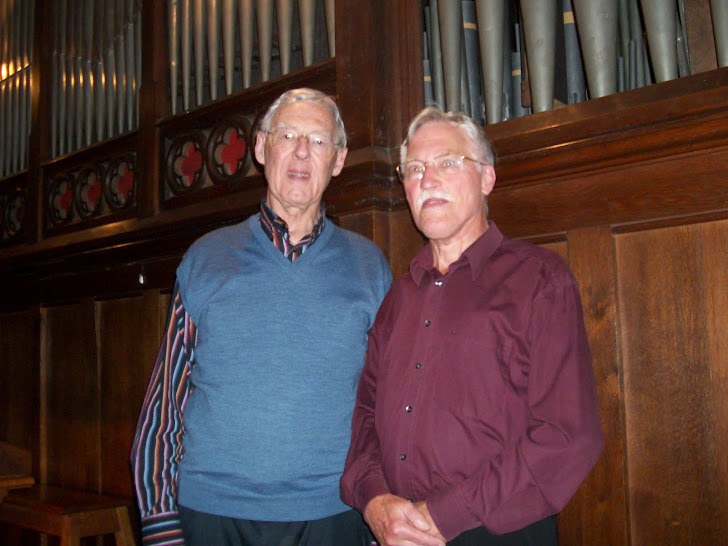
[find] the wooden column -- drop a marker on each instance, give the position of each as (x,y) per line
(154,103)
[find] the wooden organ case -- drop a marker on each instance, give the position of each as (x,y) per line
(630,188)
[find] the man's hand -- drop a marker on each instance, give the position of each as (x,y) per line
(422,507)
(397,522)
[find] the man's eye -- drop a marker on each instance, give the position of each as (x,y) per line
(447,163)
(414,169)
(288,136)
(319,141)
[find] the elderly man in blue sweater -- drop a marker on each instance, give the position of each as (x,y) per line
(245,426)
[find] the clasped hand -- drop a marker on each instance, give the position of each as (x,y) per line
(398,522)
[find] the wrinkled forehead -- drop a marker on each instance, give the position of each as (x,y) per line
(437,138)
(304,116)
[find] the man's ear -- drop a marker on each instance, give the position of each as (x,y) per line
(487,179)
(260,147)
(340,159)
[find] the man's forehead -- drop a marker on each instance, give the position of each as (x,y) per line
(434,155)
(310,113)
(435,128)
(437,138)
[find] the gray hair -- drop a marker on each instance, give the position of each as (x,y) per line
(472,130)
(304,94)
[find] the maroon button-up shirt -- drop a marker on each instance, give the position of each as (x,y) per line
(478,391)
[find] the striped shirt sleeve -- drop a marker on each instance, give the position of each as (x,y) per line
(157,447)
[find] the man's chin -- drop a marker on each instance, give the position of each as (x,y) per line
(434,231)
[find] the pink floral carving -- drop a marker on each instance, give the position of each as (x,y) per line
(233,152)
(191,164)
(126,181)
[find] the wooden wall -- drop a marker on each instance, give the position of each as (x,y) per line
(631,189)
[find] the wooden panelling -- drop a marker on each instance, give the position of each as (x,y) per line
(674,187)
(673,319)
(597,513)
(394,232)
(20,396)
(701,43)
(362,223)
(560,247)
(70,397)
(129,331)
(387,48)
(630,189)
(714,304)
(154,102)
(404,241)
(20,379)
(683,115)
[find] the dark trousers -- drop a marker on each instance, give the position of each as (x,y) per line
(345,529)
(541,533)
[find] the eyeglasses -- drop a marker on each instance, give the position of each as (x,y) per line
(446,165)
(289,139)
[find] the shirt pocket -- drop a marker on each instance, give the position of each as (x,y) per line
(472,379)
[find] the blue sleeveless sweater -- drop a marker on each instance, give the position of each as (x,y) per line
(279,351)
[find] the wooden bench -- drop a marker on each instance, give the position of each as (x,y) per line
(15,463)
(8,482)
(68,513)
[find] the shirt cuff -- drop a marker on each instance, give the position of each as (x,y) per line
(162,530)
(368,489)
(450,513)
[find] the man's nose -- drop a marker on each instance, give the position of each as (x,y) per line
(302,146)
(430,176)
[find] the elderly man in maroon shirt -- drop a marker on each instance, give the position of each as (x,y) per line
(476,417)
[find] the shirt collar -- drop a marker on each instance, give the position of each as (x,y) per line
(271,221)
(476,256)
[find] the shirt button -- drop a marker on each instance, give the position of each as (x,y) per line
(403,456)
(438,283)
(418,365)
(427,323)
(408,409)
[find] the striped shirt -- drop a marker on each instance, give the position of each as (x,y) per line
(157,448)
(277,231)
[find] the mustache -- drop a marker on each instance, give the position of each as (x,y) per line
(430,194)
